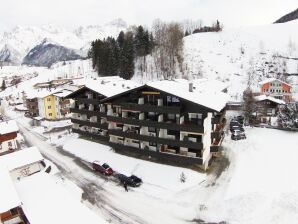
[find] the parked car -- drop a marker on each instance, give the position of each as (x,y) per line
(234,123)
(238,135)
(233,128)
(132,181)
(240,119)
(104,169)
(136,180)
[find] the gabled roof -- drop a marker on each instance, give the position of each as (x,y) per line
(63,93)
(21,158)
(270,98)
(272,80)
(8,127)
(107,86)
(8,195)
(213,100)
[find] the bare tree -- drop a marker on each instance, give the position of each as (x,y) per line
(168,52)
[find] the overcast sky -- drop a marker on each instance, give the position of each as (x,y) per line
(71,13)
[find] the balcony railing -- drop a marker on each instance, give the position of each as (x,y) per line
(91,135)
(87,112)
(169,158)
(165,141)
(87,101)
(151,108)
(162,125)
(90,124)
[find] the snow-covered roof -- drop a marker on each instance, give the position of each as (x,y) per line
(272,80)
(8,127)
(270,98)
(41,195)
(110,86)
(215,100)
(21,158)
(8,196)
(204,84)
(63,93)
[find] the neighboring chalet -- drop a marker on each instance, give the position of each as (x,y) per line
(277,89)
(267,107)
(53,105)
(8,136)
(32,106)
(10,203)
(168,121)
(23,163)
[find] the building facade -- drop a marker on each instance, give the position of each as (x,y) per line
(277,89)
(32,106)
(153,123)
(54,106)
(8,137)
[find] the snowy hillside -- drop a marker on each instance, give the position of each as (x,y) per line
(230,54)
(23,39)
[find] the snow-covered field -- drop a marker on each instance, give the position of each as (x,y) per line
(257,187)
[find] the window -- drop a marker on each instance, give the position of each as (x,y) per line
(50,114)
(48,99)
(9,144)
(0,146)
(49,107)
(151,129)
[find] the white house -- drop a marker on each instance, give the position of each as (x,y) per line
(9,199)
(23,162)
(8,136)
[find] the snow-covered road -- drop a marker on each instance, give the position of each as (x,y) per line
(97,198)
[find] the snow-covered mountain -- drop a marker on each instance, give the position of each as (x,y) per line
(48,53)
(19,41)
(288,17)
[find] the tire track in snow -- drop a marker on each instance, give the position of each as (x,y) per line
(94,193)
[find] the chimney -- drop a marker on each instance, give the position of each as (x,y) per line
(190,87)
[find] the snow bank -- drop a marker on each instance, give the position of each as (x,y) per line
(152,173)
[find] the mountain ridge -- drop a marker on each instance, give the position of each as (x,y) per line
(288,17)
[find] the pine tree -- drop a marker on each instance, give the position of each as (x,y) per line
(127,57)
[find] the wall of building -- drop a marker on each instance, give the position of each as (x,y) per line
(8,142)
(41,107)
(207,140)
(50,110)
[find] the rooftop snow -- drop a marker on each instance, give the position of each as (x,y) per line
(8,195)
(8,127)
(21,158)
(272,80)
(110,86)
(211,98)
(270,98)
(41,196)
(63,93)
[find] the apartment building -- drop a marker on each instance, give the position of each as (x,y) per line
(167,121)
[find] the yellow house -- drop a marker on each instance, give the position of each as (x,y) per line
(49,107)
(53,105)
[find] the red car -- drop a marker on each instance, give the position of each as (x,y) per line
(104,169)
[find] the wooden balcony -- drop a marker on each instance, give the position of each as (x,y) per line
(151,108)
(90,124)
(155,124)
(187,144)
